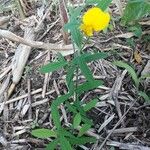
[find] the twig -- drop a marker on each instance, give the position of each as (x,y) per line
(118,123)
(114,93)
(36,44)
(4,20)
(124,130)
(23,96)
(46,77)
(127,146)
(29,98)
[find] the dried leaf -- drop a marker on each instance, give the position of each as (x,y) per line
(137,57)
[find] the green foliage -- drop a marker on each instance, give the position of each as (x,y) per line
(77,120)
(129,69)
(144,95)
(135,78)
(52,145)
(137,30)
(73,26)
(84,129)
(135,10)
(43,133)
(103,4)
(77,109)
(90,105)
(53,66)
(81,140)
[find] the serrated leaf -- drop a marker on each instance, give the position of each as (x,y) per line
(81,140)
(43,133)
(77,120)
(84,129)
(130,71)
(52,145)
(90,105)
(53,66)
(135,10)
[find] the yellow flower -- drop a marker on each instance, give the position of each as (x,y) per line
(94,20)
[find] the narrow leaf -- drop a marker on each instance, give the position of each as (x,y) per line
(86,71)
(81,140)
(88,86)
(53,66)
(144,95)
(129,69)
(84,129)
(64,143)
(90,105)
(43,133)
(69,77)
(77,120)
(52,145)
(54,109)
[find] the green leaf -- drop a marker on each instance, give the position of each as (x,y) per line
(69,77)
(54,109)
(43,133)
(90,105)
(129,69)
(96,56)
(53,66)
(77,120)
(71,108)
(88,86)
(64,143)
(144,95)
(86,71)
(81,140)
(84,129)
(67,133)
(88,57)
(103,4)
(77,37)
(135,10)
(144,76)
(137,30)
(52,145)
(73,26)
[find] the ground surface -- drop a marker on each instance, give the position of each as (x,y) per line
(38,90)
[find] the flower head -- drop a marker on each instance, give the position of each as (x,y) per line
(94,20)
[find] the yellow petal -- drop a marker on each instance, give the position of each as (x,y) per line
(94,20)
